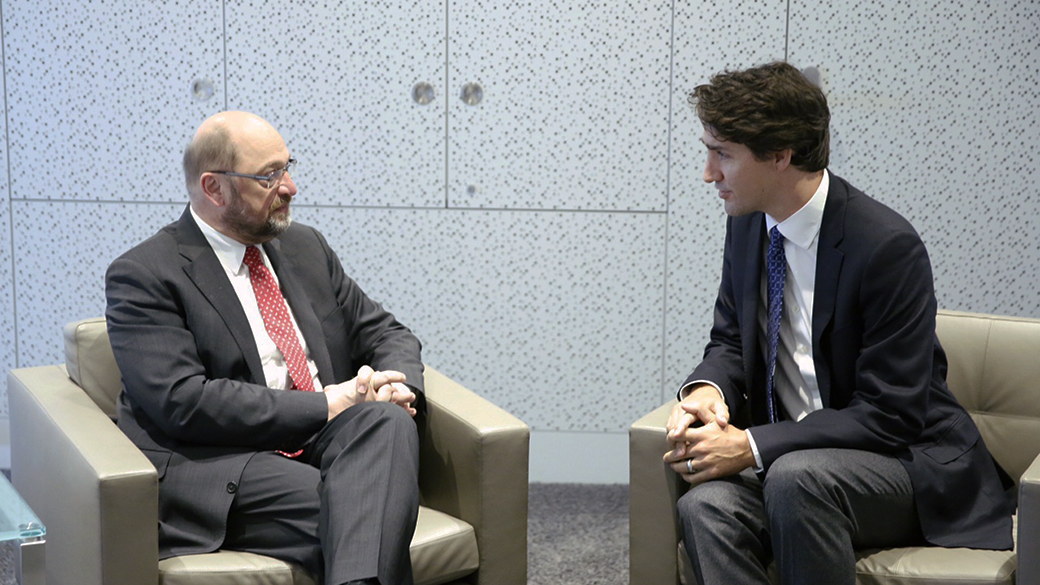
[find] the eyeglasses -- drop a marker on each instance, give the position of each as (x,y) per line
(266,181)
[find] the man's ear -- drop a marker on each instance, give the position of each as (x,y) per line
(213,189)
(782,159)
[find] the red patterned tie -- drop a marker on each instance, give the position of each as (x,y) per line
(278,323)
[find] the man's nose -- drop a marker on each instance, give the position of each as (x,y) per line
(711,173)
(289,185)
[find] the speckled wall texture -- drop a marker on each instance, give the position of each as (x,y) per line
(549,237)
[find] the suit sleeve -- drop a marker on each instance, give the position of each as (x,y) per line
(881,357)
(373,336)
(191,390)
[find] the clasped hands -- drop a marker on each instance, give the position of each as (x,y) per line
(370,386)
(714,449)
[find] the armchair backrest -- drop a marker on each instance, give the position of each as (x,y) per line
(995,374)
(91,364)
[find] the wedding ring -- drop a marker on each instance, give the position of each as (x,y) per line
(689,466)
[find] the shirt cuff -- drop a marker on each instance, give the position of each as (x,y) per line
(685,390)
(754,451)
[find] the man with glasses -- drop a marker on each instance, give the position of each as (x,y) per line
(274,398)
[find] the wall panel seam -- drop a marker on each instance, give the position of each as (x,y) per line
(10,190)
(667,208)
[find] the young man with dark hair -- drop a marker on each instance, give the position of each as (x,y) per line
(819,420)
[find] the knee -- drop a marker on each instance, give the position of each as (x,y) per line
(387,412)
(375,419)
(796,484)
(704,504)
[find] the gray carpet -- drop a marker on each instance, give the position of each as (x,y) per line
(577,534)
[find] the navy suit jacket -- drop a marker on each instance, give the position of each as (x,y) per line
(194,398)
(880,368)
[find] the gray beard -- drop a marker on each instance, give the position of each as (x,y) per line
(237,220)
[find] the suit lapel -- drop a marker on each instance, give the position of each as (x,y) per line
(753,279)
(206,272)
(751,289)
(285,267)
(829,259)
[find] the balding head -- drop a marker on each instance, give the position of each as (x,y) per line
(218,143)
(225,168)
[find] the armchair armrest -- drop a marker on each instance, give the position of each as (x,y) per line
(474,465)
(1028,545)
(83,478)
(654,490)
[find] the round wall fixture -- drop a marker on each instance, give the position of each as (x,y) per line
(202,89)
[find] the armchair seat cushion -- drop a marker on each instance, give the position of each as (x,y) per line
(935,566)
(443,549)
(230,568)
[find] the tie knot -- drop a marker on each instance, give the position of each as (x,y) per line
(252,258)
(775,235)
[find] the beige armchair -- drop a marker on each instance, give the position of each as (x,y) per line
(97,494)
(994,373)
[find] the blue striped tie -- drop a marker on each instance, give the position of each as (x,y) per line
(776,264)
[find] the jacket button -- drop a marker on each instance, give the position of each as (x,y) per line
(231,487)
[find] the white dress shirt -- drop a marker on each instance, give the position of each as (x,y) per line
(795,376)
(231,253)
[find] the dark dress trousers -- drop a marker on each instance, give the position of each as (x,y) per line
(194,396)
(880,368)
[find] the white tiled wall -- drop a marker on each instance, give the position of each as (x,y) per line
(937,114)
(575,108)
(99,95)
(553,246)
(336,78)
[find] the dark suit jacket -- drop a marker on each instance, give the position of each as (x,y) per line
(881,370)
(194,396)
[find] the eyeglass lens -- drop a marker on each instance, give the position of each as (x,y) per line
(276,177)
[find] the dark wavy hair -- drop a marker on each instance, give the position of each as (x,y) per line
(768,108)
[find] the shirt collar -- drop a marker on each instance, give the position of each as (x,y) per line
(803,227)
(229,252)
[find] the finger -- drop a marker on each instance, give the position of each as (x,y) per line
(682,422)
(364,379)
(695,478)
(674,416)
(402,394)
(693,407)
(390,376)
(700,411)
(721,414)
(694,435)
(687,469)
(383,392)
(678,449)
(690,471)
(384,377)
(677,454)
